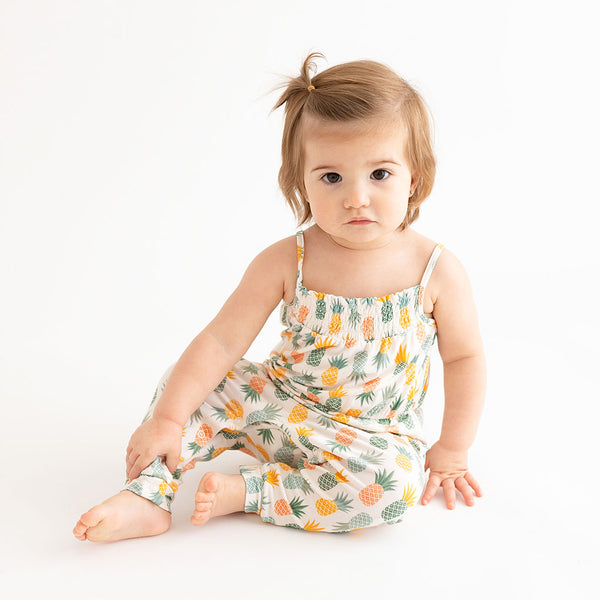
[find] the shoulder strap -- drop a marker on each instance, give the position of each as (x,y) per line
(431,264)
(300,253)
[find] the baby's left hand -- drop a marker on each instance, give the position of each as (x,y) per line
(448,469)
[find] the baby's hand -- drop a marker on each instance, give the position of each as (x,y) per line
(448,469)
(155,437)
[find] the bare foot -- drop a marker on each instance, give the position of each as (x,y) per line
(125,515)
(218,494)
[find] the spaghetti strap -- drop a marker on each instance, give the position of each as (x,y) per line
(299,254)
(431,264)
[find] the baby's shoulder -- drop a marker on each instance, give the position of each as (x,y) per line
(280,260)
(448,271)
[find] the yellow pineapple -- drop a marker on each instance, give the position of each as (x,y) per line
(411,370)
(299,413)
(272,478)
(234,410)
(329,376)
(326,507)
(403,460)
(335,324)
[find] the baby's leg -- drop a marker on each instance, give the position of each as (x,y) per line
(143,507)
(352,479)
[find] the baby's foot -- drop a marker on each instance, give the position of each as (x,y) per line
(125,515)
(218,494)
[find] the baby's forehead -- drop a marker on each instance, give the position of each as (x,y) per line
(313,126)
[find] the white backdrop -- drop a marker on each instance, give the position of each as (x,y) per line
(138,177)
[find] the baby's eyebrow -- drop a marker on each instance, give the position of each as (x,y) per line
(370,164)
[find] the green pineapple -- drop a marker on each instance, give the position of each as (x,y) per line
(285,454)
(269,413)
(295,482)
(266,435)
(378,442)
(354,318)
(358,366)
(327,481)
(254,485)
(387,310)
(394,510)
(356,464)
(303,437)
(316,356)
(356,522)
(321,307)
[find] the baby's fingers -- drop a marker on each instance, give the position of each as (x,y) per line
(431,488)
(474,484)
(449,493)
(463,487)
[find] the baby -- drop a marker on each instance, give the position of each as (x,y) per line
(333,418)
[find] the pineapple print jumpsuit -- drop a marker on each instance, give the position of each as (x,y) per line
(333,417)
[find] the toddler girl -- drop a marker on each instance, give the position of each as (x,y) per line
(334,415)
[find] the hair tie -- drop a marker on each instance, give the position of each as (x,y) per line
(311,88)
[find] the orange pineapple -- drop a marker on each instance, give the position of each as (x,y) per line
(420,332)
(367,328)
(302,313)
(297,356)
(282,507)
(203,435)
(345,436)
(373,493)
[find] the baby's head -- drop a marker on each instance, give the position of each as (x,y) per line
(364,95)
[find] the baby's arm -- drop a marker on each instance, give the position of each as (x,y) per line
(210,356)
(461,349)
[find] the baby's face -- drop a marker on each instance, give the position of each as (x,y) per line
(357,180)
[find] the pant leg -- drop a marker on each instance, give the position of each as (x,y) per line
(216,426)
(350,479)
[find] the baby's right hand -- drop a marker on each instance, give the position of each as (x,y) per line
(155,437)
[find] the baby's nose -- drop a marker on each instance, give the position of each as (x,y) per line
(356,197)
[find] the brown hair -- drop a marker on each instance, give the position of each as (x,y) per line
(353,91)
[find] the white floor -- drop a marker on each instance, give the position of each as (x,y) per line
(534,534)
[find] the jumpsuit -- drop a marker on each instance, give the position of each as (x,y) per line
(333,416)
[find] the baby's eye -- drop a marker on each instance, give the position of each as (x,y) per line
(331,174)
(380,174)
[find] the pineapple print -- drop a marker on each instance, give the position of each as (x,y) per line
(302,313)
(254,389)
(335,324)
(299,413)
(303,437)
(203,436)
(404,313)
(329,376)
(269,413)
(358,366)
(295,507)
(368,329)
(358,521)
(233,410)
(316,356)
(382,358)
(384,482)
(387,311)
(403,460)
(398,508)
(368,392)
(343,438)
(401,359)
(326,507)
(357,464)
(321,307)
(334,402)
(354,318)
